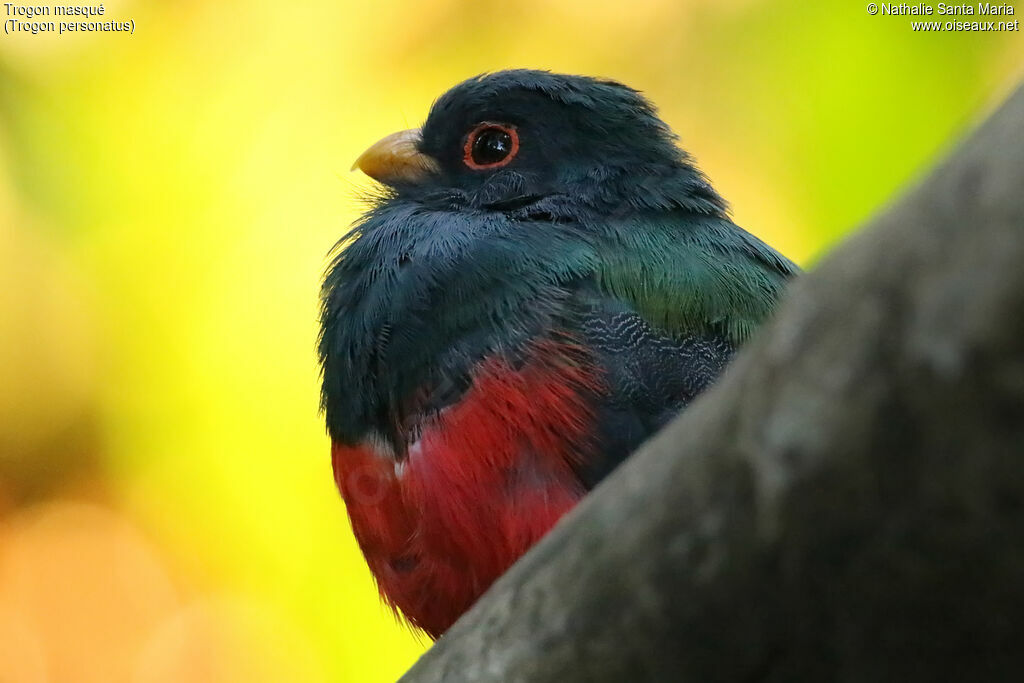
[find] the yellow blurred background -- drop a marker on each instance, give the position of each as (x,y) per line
(167,203)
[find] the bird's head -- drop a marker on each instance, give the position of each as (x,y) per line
(514,138)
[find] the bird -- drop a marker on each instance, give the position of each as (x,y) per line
(542,280)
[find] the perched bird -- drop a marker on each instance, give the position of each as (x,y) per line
(545,281)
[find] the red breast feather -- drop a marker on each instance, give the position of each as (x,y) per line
(488,477)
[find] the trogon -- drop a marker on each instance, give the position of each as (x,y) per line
(543,281)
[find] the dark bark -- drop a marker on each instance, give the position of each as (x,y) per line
(847,504)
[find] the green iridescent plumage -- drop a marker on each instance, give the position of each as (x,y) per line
(694,275)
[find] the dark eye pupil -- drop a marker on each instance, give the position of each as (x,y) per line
(491,146)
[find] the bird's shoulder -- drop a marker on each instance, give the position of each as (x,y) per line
(687,274)
(669,302)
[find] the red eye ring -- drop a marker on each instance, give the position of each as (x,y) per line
(471,139)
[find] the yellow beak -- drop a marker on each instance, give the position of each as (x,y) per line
(395,160)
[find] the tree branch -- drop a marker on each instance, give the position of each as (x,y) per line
(847,504)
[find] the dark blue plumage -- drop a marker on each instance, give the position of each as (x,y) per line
(542,235)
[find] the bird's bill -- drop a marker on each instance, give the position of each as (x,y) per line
(396,159)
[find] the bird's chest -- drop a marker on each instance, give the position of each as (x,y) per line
(485,480)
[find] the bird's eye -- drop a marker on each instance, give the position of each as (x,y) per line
(491,145)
